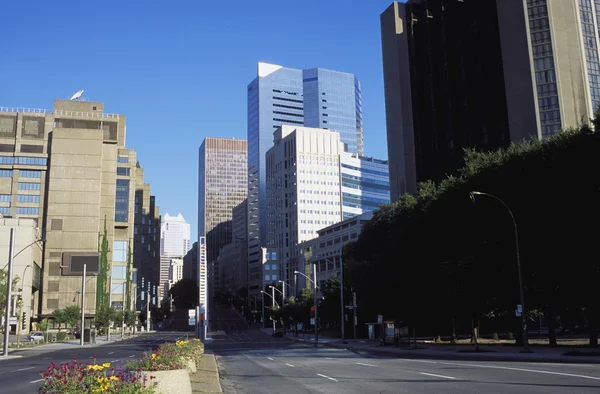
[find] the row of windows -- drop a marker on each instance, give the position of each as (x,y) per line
(32,161)
(123,171)
(27,211)
(29,186)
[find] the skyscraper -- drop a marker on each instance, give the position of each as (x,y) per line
(285,96)
(222,185)
(457,75)
(174,236)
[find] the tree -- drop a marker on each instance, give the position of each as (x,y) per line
(104,318)
(3,281)
(185,294)
(59,317)
(72,315)
(101,279)
(130,318)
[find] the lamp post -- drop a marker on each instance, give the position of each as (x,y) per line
(342,316)
(315,287)
(273,305)
(11,257)
(521,289)
(283,285)
(280,292)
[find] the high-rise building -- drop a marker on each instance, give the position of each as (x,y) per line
(222,185)
(457,75)
(70,172)
(190,263)
(285,96)
(303,191)
(365,184)
(174,236)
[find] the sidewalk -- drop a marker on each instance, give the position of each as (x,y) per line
(545,354)
(72,343)
(206,379)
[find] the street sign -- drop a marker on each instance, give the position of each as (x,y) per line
(12,320)
(192,321)
(520,308)
(312,321)
(379,319)
(191,313)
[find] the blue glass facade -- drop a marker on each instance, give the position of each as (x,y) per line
(333,101)
(365,184)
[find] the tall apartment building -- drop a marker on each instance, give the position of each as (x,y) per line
(174,236)
(457,74)
(70,172)
(285,96)
(365,184)
(190,263)
(303,190)
(222,185)
(146,257)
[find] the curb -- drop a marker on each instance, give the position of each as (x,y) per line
(483,356)
(10,357)
(217,365)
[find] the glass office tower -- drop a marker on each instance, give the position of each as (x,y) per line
(280,95)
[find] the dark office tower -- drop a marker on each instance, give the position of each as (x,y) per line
(457,75)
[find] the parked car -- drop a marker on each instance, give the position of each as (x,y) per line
(35,336)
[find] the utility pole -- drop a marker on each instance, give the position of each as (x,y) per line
(273,308)
(354,309)
(316,307)
(342,297)
(147,310)
(83,305)
(11,246)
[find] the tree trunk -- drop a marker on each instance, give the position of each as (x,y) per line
(551,326)
(593,326)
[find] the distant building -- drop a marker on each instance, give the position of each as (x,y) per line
(190,263)
(222,185)
(175,236)
(365,184)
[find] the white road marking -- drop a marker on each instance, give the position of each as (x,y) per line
(367,365)
(437,376)
(420,361)
(114,361)
(25,369)
(270,358)
(36,381)
(111,352)
(132,356)
(327,377)
(289,365)
(526,370)
(47,358)
(329,358)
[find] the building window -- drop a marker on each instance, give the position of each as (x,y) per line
(123,159)
(31,161)
(117,288)
(27,198)
(123,171)
(6,173)
(29,186)
(30,174)
(7,160)
(120,251)
(267,277)
(122,201)
(27,211)
(5,210)
(5,197)
(119,272)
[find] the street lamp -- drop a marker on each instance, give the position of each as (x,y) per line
(314,282)
(280,292)
(11,257)
(472,195)
(341,292)
(273,305)
(283,285)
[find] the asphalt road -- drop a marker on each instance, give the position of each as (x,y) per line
(252,362)
(22,375)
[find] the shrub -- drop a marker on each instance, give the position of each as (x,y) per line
(168,356)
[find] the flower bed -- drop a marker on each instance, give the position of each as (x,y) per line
(77,377)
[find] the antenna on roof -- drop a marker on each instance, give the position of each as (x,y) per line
(77,95)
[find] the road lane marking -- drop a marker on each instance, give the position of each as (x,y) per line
(270,358)
(327,377)
(114,361)
(289,365)
(47,358)
(25,369)
(329,358)
(437,376)
(36,381)
(132,356)
(526,370)
(367,365)
(111,352)
(420,361)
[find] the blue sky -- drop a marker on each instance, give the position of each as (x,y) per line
(179,69)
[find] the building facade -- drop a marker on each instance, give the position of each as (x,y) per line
(365,184)
(222,185)
(174,236)
(190,263)
(303,189)
(456,75)
(278,96)
(70,171)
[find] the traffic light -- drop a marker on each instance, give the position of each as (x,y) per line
(24,321)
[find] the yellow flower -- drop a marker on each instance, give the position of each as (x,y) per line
(106,365)
(154,356)
(115,378)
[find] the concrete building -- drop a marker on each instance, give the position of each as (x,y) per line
(365,184)
(27,269)
(146,257)
(174,236)
(326,249)
(286,96)
(457,74)
(233,257)
(222,185)
(69,171)
(303,190)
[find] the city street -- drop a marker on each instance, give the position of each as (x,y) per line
(253,362)
(21,375)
